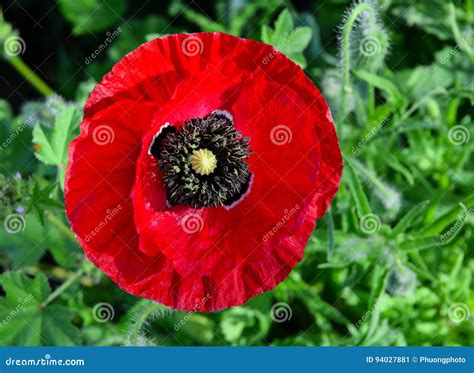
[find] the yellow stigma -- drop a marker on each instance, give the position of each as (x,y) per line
(203,161)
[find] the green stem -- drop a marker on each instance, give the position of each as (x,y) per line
(30,75)
(60,225)
(346,56)
(71,280)
(142,313)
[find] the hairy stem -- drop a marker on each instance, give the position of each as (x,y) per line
(143,312)
(346,54)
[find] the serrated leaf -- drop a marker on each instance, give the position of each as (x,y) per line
(27,246)
(288,40)
(46,153)
(27,323)
(266,34)
(283,25)
(300,39)
(53,144)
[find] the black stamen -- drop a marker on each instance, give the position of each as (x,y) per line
(226,183)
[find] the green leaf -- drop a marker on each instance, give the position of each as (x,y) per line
(424,243)
(389,196)
(90,16)
(26,322)
(381,83)
(299,40)
(449,217)
(25,247)
(239,324)
(53,144)
(235,322)
(28,245)
(377,296)
(198,328)
(360,199)
(242,16)
(409,217)
(318,306)
(266,34)
(400,168)
(429,16)
(202,21)
(40,198)
(286,38)
(283,26)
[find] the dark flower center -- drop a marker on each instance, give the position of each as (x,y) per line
(203,161)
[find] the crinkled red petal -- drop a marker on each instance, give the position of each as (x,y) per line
(212,258)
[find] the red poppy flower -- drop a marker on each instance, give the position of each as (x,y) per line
(202,165)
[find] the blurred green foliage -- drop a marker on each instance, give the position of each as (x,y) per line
(390,264)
